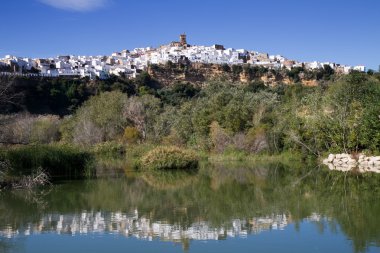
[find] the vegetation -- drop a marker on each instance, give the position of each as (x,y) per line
(169,158)
(98,120)
(56,161)
(29,129)
(131,135)
(108,149)
(221,117)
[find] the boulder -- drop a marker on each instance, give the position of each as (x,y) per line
(352,162)
(343,168)
(331,158)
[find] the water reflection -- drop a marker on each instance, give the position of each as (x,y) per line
(131,225)
(219,202)
(354,168)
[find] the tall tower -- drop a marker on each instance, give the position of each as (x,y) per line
(182,39)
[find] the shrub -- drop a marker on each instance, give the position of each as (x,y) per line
(142,112)
(131,135)
(173,139)
(256,140)
(220,139)
(87,133)
(16,129)
(99,119)
(26,128)
(169,158)
(45,129)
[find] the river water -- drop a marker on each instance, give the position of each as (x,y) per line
(220,208)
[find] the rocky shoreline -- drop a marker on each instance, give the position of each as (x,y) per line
(346,162)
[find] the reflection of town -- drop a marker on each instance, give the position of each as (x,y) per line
(131,225)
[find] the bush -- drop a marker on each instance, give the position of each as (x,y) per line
(131,135)
(255,140)
(26,128)
(219,137)
(16,129)
(45,129)
(99,119)
(169,158)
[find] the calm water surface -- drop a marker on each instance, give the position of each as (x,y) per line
(220,208)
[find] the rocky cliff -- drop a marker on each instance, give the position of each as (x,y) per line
(199,73)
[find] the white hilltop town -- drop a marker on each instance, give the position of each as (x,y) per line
(131,63)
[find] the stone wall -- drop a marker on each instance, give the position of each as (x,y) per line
(347,162)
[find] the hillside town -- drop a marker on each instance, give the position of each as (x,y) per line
(131,63)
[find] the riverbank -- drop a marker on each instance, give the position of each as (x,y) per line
(284,157)
(51,162)
(60,162)
(71,162)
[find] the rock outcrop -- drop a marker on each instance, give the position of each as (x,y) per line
(199,73)
(347,162)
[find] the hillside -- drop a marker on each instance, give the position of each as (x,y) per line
(199,73)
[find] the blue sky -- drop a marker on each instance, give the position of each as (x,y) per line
(344,31)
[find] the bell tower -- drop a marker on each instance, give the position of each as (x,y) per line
(182,39)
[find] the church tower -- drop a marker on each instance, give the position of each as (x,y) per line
(182,39)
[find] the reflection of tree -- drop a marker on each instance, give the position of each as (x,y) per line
(351,200)
(20,207)
(217,195)
(169,179)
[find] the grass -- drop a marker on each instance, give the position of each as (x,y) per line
(57,160)
(135,152)
(109,149)
(284,157)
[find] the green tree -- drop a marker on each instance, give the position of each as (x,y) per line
(99,119)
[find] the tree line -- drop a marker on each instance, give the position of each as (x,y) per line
(343,115)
